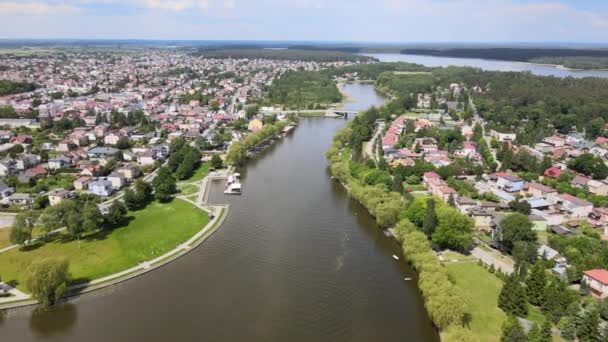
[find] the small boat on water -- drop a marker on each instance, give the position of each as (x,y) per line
(233,185)
(395,257)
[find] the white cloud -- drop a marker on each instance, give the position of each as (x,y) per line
(36,8)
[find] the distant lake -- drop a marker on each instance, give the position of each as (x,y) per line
(492,65)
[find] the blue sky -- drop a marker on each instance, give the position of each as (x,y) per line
(327,20)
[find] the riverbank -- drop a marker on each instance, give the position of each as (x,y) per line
(218,213)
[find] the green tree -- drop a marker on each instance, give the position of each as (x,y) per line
(44,277)
(512,298)
(164,185)
(512,331)
(91,217)
(536,283)
(430,219)
(216,162)
(21,232)
(588,330)
(454,231)
(131,200)
(115,215)
(515,227)
(143,192)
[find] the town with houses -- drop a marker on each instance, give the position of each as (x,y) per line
(487,197)
(99,121)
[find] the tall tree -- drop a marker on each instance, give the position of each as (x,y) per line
(515,227)
(512,298)
(536,283)
(512,331)
(46,278)
(430,219)
(21,232)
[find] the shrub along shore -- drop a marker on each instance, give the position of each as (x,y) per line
(382,195)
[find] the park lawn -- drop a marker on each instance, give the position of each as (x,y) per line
(152,232)
(200,173)
(414,187)
(5,234)
(187,189)
(480,289)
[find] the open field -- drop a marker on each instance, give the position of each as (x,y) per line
(150,232)
(199,174)
(487,317)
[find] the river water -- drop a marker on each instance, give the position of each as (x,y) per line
(493,65)
(296,260)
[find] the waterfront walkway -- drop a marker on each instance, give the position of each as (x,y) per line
(217,212)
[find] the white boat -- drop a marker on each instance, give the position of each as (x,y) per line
(395,257)
(233,185)
(234,188)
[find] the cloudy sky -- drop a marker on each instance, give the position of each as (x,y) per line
(326,20)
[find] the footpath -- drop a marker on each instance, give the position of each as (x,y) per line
(217,212)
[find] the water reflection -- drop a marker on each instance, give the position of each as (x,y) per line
(57,320)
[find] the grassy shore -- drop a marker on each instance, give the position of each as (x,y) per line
(150,233)
(199,174)
(487,317)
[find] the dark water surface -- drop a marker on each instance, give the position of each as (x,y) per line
(296,260)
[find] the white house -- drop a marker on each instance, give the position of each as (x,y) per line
(597,281)
(575,206)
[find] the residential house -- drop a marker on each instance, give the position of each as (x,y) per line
(597,187)
(445,192)
(101,187)
(482,219)
(427,176)
(56,196)
(27,161)
(146,158)
(539,190)
(117,179)
(20,199)
(7,167)
(465,204)
(580,181)
(538,223)
(33,173)
(82,183)
(575,206)
(5,191)
(59,163)
(509,183)
(503,137)
(597,282)
(102,152)
(130,172)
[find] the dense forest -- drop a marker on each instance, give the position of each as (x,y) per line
(533,106)
(284,54)
(507,54)
(304,89)
(10,87)
(580,62)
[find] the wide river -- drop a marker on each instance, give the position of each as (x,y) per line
(296,260)
(493,65)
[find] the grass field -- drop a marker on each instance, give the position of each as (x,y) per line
(187,189)
(151,232)
(199,174)
(481,290)
(4,238)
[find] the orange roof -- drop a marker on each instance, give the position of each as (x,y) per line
(598,274)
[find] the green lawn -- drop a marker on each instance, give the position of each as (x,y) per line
(152,231)
(481,290)
(187,189)
(5,234)
(414,187)
(200,173)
